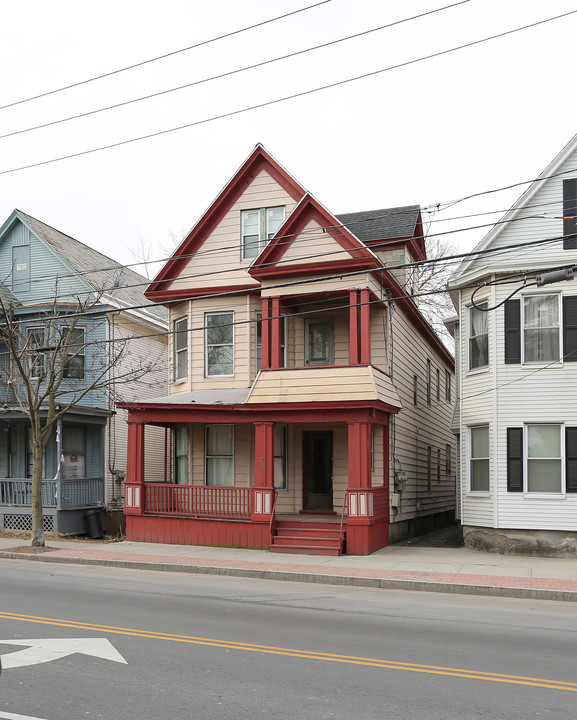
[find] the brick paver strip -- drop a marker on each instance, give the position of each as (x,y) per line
(536,587)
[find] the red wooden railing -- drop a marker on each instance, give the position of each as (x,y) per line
(197,500)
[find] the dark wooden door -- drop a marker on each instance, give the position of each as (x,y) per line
(318,471)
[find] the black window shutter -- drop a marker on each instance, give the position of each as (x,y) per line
(513,331)
(570,328)
(571,459)
(515,459)
(570,214)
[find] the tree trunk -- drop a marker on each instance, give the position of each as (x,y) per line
(37,509)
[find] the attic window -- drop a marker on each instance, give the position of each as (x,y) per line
(257,228)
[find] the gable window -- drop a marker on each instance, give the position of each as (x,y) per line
(479,458)
(280,457)
(219,339)
(180,455)
(180,339)
(74,366)
(257,228)
(35,339)
(319,347)
(219,455)
(447,386)
(478,337)
(429,383)
(541,328)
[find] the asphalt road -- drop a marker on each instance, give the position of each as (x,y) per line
(172,645)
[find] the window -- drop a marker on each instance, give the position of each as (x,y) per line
(541,328)
(4,360)
(74,366)
(429,454)
(438,465)
(73,452)
(35,339)
(429,383)
(181,455)
(438,394)
(543,459)
(180,339)
(570,214)
(219,455)
(448,459)
(447,386)
(319,349)
(219,344)
(478,337)
(479,459)
(415,386)
(280,457)
(257,228)
(20,268)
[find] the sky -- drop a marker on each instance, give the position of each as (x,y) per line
(426,133)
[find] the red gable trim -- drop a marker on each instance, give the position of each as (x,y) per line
(309,209)
(171,296)
(258,161)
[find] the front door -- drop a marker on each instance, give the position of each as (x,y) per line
(318,471)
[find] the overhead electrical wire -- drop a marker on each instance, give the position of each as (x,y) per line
(285,98)
(225,74)
(162,57)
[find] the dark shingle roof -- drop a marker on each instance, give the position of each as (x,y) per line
(385,224)
(98,270)
(7,296)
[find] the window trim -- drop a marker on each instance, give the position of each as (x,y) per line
(471,337)
(559,359)
(80,354)
(471,459)
(177,351)
(561,458)
(447,386)
(264,235)
(208,374)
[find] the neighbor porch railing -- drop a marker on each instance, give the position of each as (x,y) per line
(17,492)
(198,501)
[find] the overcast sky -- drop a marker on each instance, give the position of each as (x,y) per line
(433,131)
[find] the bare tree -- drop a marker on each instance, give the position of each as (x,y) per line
(43,365)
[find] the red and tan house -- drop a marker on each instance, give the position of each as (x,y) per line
(310,402)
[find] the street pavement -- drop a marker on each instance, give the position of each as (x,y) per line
(406,567)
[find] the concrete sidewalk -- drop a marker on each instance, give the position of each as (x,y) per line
(453,570)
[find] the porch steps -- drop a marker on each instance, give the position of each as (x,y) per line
(315,538)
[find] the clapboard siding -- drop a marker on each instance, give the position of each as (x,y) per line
(219,263)
(313,244)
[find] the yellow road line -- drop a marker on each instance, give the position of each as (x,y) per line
(305,654)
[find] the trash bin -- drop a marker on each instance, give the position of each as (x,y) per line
(94,523)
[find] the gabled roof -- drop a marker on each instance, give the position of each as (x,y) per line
(101,272)
(256,162)
(270,262)
(7,296)
(515,210)
(387,223)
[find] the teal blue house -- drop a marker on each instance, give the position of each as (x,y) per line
(43,270)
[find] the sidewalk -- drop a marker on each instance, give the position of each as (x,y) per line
(453,570)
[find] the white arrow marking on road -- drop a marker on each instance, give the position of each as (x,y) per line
(13,716)
(41,651)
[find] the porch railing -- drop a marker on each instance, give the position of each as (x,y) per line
(16,492)
(198,501)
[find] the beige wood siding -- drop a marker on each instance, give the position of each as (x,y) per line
(313,245)
(218,262)
(304,286)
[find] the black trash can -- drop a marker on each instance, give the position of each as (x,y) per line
(94,523)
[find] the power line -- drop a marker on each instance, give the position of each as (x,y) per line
(162,57)
(276,101)
(226,74)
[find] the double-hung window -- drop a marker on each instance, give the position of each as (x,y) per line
(429,383)
(219,344)
(478,337)
(447,386)
(180,339)
(543,458)
(479,458)
(541,328)
(74,364)
(219,455)
(257,228)
(35,339)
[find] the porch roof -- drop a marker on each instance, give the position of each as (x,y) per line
(218,396)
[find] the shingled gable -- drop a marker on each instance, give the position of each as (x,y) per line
(272,262)
(258,160)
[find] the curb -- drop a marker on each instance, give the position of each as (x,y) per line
(286,576)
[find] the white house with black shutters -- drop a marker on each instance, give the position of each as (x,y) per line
(516,347)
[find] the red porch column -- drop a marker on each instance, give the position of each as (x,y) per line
(365,314)
(276,338)
(359,455)
(263,491)
(354,327)
(265,335)
(134,498)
